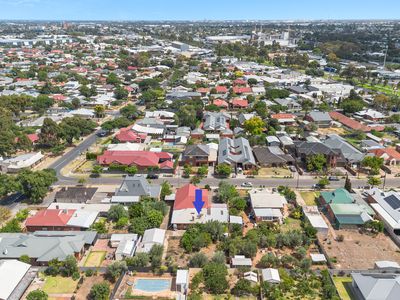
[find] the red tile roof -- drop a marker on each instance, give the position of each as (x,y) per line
(50,217)
(283,116)
(137,158)
(127,135)
(353,124)
(168,164)
(391,152)
(242,90)
(240,102)
(221,89)
(33,137)
(239,82)
(203,90)
(220,103)
(185,197)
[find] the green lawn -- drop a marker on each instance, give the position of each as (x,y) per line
(95,258)
(342,285)
(310,197)
(290,224)
(59,285)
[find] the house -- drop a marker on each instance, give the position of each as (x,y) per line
(290,104)
(313,215)
(182,281)
(237,153)
(117,238)
(221,103)
(141,159)
(127,246)
(239,103)
(43,246)
(321,119)
(272,157)
(151,237)
(353,124)
(304,149)
(127,135)
(199,155)
(215,122)
(16,164)
(61,220)
(12,273)
(343,210)
(267,205)
(258,90)
(74,194)
(285,118)
(185,214)
(134,187)
(273,140)
(370,114)
(387,207)
(349,153)
(245,117)
(375,286)
(271,275)
(240,261)
(390,155)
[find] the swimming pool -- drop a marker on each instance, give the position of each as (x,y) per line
(152,285)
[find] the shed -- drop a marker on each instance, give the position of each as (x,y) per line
(271,275)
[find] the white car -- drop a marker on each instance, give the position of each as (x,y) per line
(247,184)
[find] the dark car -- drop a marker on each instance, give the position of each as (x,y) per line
(333,178)
(152,176)
(101,133)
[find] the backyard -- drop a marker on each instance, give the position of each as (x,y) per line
(95,258)
(310,197)
(59,285)
(343,286)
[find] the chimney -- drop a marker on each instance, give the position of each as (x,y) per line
(57,207)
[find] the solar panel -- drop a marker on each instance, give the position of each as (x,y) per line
(393,201)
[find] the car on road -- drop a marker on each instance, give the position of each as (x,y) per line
(152,176)
(316,186)
(333,178)
(247,184)
(101,133)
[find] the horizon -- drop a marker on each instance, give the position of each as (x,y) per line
(196,11)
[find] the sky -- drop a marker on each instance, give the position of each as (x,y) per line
(198,9)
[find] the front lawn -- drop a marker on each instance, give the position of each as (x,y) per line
(310,198)
(95,258)
(59,285)
(343,286)
(278,172)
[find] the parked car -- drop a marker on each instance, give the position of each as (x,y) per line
(247,184)
(152,176)
(333,178)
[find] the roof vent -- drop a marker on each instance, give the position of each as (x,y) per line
(5,252)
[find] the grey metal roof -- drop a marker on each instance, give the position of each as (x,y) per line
(350,153)
(44,246)
(319,116)
(138,185)
(235,151)
(215,121)
(377,286)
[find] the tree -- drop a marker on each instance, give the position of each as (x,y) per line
(99,110)
(69,265)
(374,163)
(49,133)
(215,278)
(97,170)
(121,93)
(131,170)
(254,126)
(316,162)
(202,171)
(115,269)
(165,189)
(187,170)
(243,288)
(140,260)
(35,185)
(113,79)
(25,258)
(374,181)
(223,170)
(351,106)
(117,212)
(99,291)
(347,184)
(226,192)
(129,111)
(323,182)
(198,260)
(37,295)
(375,226)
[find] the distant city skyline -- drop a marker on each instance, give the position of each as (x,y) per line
(135,10)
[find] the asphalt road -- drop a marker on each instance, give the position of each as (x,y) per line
(64,160)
